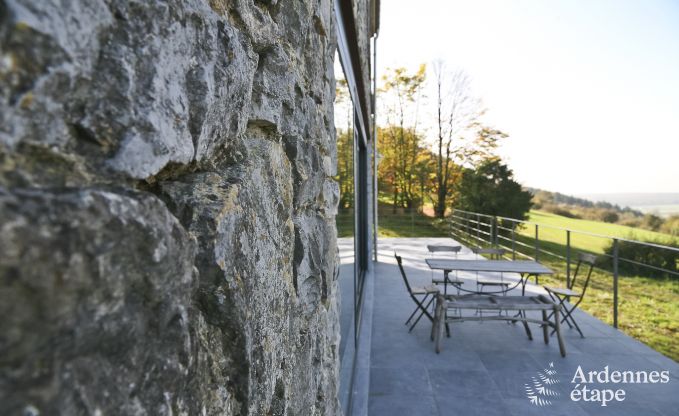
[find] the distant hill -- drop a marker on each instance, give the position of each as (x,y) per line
(635,199)
(654,212)
(546,197)
(663,204)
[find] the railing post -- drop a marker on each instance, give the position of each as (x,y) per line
(513,241)
(615,282)
(495,232)
(469,230)
(568,258)
(537,243)
(478,228)
(491,232)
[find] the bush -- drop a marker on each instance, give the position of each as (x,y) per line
(640,253)
(558,210)
(671,225)
(564,212)
(609,216)
(652,222)
(631,222)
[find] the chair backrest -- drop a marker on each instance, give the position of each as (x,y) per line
(494,253)
(588,260)
(403,273)
(437,249)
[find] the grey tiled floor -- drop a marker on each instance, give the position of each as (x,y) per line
(483,366)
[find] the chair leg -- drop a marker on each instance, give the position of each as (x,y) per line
(525,326)
(545,327)
(568,316)
(417,308)
(411,315)
(578,328)
(422,313)
(557,328)
(436,318)
(562,303)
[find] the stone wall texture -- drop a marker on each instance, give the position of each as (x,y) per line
(167,237)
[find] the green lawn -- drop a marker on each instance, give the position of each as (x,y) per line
(648,308)
(585,242)
(390,224)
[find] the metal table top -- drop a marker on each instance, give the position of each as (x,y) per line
(506,266)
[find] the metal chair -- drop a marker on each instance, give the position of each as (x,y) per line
(446,280)
(481,283)
(429,295)
(564,295)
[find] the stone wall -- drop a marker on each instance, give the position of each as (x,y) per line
(167,238)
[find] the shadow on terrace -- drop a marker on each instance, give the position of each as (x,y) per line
(484,367)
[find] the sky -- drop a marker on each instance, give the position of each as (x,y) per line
(588,90)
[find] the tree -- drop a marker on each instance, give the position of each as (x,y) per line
(402,93)
(461,138)
(482,147)
(401,169)
(345,168)
(345,145)
(490,189)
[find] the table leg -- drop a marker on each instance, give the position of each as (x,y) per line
(440,324)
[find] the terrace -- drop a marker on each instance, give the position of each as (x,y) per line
(483,366)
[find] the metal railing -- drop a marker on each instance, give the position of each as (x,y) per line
(522,239)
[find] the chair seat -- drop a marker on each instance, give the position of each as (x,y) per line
(493,282)
(451,281)
(562,291)
(425,290)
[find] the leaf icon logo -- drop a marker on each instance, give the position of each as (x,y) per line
(537,391)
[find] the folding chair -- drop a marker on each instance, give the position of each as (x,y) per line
(446,280)
(564,295)
(495,284)
(482,282)
(423,304)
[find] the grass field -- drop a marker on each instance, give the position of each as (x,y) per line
(648,308)
(390,224)
(585,242)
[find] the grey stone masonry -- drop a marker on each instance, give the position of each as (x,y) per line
(167,208)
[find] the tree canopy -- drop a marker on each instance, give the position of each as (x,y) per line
(490,189)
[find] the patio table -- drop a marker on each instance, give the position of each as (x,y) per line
(525,269)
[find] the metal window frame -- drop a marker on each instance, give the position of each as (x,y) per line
(364,152)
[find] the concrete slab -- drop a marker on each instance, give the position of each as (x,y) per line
(483,367)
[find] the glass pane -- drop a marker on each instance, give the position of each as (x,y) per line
(346,225)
